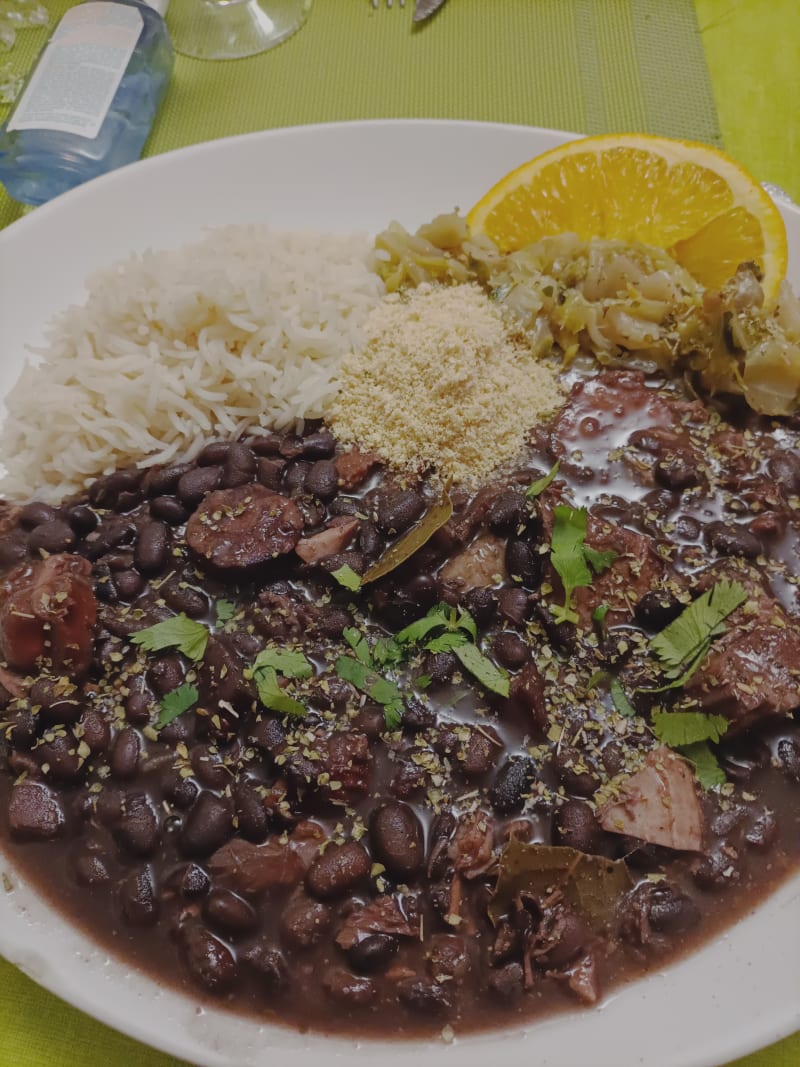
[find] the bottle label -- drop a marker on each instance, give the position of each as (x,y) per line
(80,70)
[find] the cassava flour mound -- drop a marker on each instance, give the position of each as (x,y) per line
(245,329)
(441,383)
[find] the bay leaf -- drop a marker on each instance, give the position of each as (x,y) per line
(593,885)
(412,541)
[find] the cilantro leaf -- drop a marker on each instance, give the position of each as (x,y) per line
(438,616)
(292,664)
(358,642)
(567,556)
(599,561)
(490,676)
(446,642)
(684,643)
(225,610)
(183,633)
(386,652)
(354,671)
(347,577)
(175,703)
(393,714)
(385,692)
(422,681)
(679,728)
(620,698)
(273,696)
(381,690)
(600,612)
(706,768)
(539,486)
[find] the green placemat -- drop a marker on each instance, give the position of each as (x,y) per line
(583,65)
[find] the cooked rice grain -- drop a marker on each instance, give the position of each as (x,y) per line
(243,330)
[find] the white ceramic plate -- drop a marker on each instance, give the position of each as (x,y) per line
(735,995)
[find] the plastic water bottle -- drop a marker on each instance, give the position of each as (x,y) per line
(90,101)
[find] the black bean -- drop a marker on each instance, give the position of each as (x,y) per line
(270,472)
(161,481)
(322,479)
(207,826)
(96,731)
(184,598)
(35,812)
(165,674)
(575,772)
(687,528)
(423,996)
(657,608)
(784,469)
(268,444)
(91,869)
(370,540)
(346,505)
(304,921)
(312,510)
(291,446)
(676,472)
(789,756)
(81,518)
(209,960)
(397,839)
(715,871)
(13,548)
(125,751)
(215,453)
(113,531)
(22,731)
(398,509)
(511,784)
(240,466)
(137,897)
(338,870)
(507,512)
(139,705)
(251,814)
(513,605)
(117,491)
(294,477)
(341,985)
(732,540)
(128,584)
(138,830)
(481,604)
(194,485)
(152,547)
(372,953)
(418,716)
(506,982)
(670,911)
(577,827)
(35,514)
(333,619)
(763,830)
(59,754)
(563,938)
(526,696)
(440,667)
(210,767)
(269,964)
(318,445)
(169,509)
(59,700)
(523,563)
(51,537)
(510,649)
(177,789)
(229,912)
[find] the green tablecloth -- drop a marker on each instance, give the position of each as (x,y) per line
(587,65)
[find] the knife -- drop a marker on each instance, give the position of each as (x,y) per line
(424,8)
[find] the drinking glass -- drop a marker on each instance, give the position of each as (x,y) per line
(232,29)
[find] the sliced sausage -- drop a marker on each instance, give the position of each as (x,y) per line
(244,526)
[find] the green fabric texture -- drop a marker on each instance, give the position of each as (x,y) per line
(585,65)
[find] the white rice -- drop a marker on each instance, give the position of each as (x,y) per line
(244,330)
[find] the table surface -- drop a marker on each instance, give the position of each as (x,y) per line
(752,51)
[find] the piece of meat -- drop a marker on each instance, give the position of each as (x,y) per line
(354,466)
(334,538)
(252,869)
(384,915)
(753,670)
(47,615)
(658,804)
(243,527)
(481,564)
(471,849)
(35,812)
(635,570)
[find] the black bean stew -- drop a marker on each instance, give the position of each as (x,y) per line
(482,786)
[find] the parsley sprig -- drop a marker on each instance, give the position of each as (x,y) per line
(362,670)
(572,557)
(267,665)
(174,703)
(182,633)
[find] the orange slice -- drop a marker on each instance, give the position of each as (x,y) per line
(688,198)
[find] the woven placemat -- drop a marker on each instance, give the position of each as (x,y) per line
(584,65)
